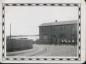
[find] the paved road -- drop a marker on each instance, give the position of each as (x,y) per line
(47,50)
(30,52)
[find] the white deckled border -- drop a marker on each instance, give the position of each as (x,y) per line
(4,58)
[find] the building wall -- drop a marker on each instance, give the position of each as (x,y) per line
(58,34)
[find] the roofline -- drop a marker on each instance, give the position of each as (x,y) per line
(59,23)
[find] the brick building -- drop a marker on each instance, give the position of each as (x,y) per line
(58,32)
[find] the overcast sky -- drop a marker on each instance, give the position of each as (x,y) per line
(25,20)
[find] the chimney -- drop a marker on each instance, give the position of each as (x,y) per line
(56,21)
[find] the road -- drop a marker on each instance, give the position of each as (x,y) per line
(47,50)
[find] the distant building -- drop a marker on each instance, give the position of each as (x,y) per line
(58,32)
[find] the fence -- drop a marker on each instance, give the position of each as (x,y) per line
(13,44)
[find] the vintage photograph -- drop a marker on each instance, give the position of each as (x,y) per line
(41,31)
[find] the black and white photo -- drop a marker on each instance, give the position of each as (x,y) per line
(43,32)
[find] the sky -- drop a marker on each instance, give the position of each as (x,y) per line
(26,20)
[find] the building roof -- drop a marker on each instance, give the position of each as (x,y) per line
(59,23)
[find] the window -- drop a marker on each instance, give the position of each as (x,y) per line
(45,37)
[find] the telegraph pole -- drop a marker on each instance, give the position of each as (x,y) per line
(10,30)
